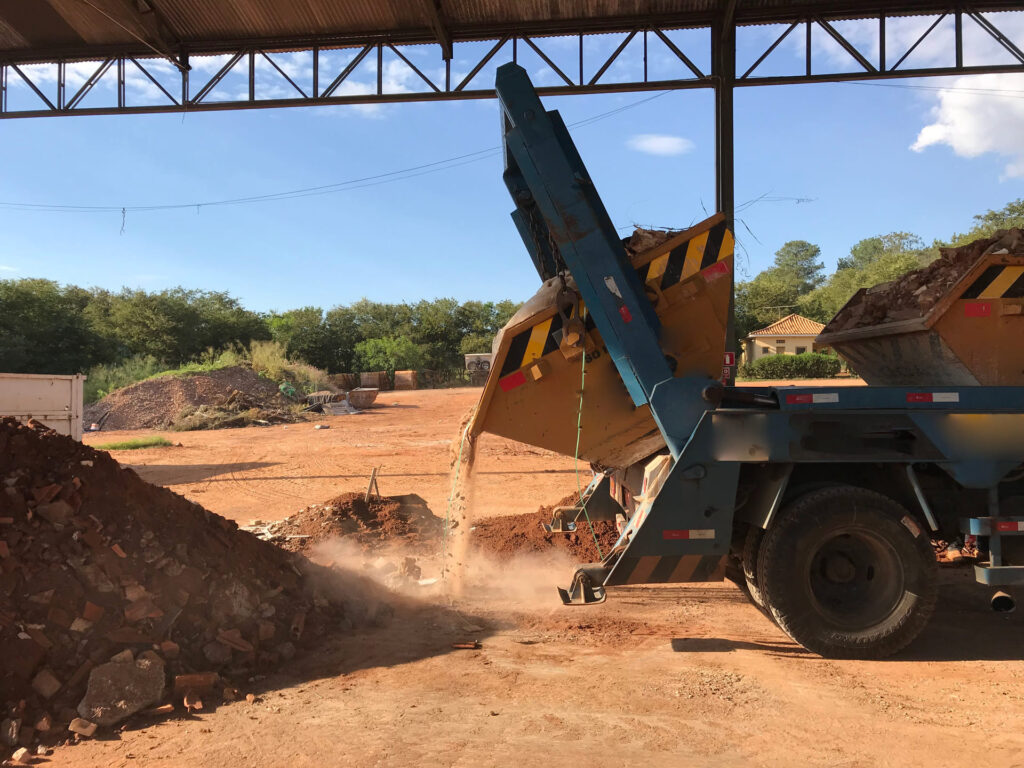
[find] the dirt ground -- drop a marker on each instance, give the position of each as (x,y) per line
(671,675)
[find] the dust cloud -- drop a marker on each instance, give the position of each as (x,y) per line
(525,581)
(455,572)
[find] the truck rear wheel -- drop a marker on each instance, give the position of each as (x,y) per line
(751,554)
(848,573)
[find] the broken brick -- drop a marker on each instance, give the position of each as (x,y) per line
(46,493)
(169,649)
(82,727)
(46,684)
(233,639)
(201,682)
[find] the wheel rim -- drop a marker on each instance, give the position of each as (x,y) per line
(855,578)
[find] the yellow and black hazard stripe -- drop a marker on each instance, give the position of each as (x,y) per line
(667,569)
(688,258)
(685,260)
(997,282)
(535,342)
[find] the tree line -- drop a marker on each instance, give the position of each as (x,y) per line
(46,327)
(797,282)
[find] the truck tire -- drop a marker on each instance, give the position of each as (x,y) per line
(751,554)
(848,573)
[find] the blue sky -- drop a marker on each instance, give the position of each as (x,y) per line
(867,159)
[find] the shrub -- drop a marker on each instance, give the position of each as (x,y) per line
(210,360)
(103,379)
(810,365)
(270,359)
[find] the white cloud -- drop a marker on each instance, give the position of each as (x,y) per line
(5,268)
(659,144)
(976,122)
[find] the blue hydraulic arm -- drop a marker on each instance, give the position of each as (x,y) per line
(565,226)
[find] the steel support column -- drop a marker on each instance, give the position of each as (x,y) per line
(723,74)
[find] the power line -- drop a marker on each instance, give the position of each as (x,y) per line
(1005,93)
(358,183)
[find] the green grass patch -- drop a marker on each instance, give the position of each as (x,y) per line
(139,442)
(207,362)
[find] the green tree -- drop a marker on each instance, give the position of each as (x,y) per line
(43,329)
(872,261)
(763,300)
(798,264)
(174,325)
(873,248)
(303,334)
(437,328)
(396,353)
(985,224)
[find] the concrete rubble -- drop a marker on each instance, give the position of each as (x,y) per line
(117,597)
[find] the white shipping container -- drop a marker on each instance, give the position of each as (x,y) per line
(56,401)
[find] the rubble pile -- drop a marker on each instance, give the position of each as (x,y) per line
(227,397)
(117,596)
(914,295)
(239,409)
(512,534)
(406,519)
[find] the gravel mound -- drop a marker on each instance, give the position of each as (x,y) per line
(227,397)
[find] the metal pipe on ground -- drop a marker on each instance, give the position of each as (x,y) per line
(1003,603)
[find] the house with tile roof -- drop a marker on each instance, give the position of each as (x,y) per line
(792,335)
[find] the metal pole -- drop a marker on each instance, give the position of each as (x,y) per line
(723,71)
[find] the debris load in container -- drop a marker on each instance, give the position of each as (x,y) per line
(514,534)
(112,590)
(957,322)
(645,239)
(917,292)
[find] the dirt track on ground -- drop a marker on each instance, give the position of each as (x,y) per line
(690,675)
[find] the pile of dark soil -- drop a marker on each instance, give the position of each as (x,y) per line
(384,518)
(913,295)
(513,534)
(228,397)
(95,562)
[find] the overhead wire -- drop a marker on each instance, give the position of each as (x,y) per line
(349,184)
(435,166)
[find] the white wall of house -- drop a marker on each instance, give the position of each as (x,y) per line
(760,346)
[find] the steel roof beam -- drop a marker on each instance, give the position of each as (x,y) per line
(432,11)
(194,97)
(744,16)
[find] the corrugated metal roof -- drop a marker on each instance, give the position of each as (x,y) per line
(791,325)
(39,30)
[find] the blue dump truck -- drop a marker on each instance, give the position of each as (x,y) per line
(820,502)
